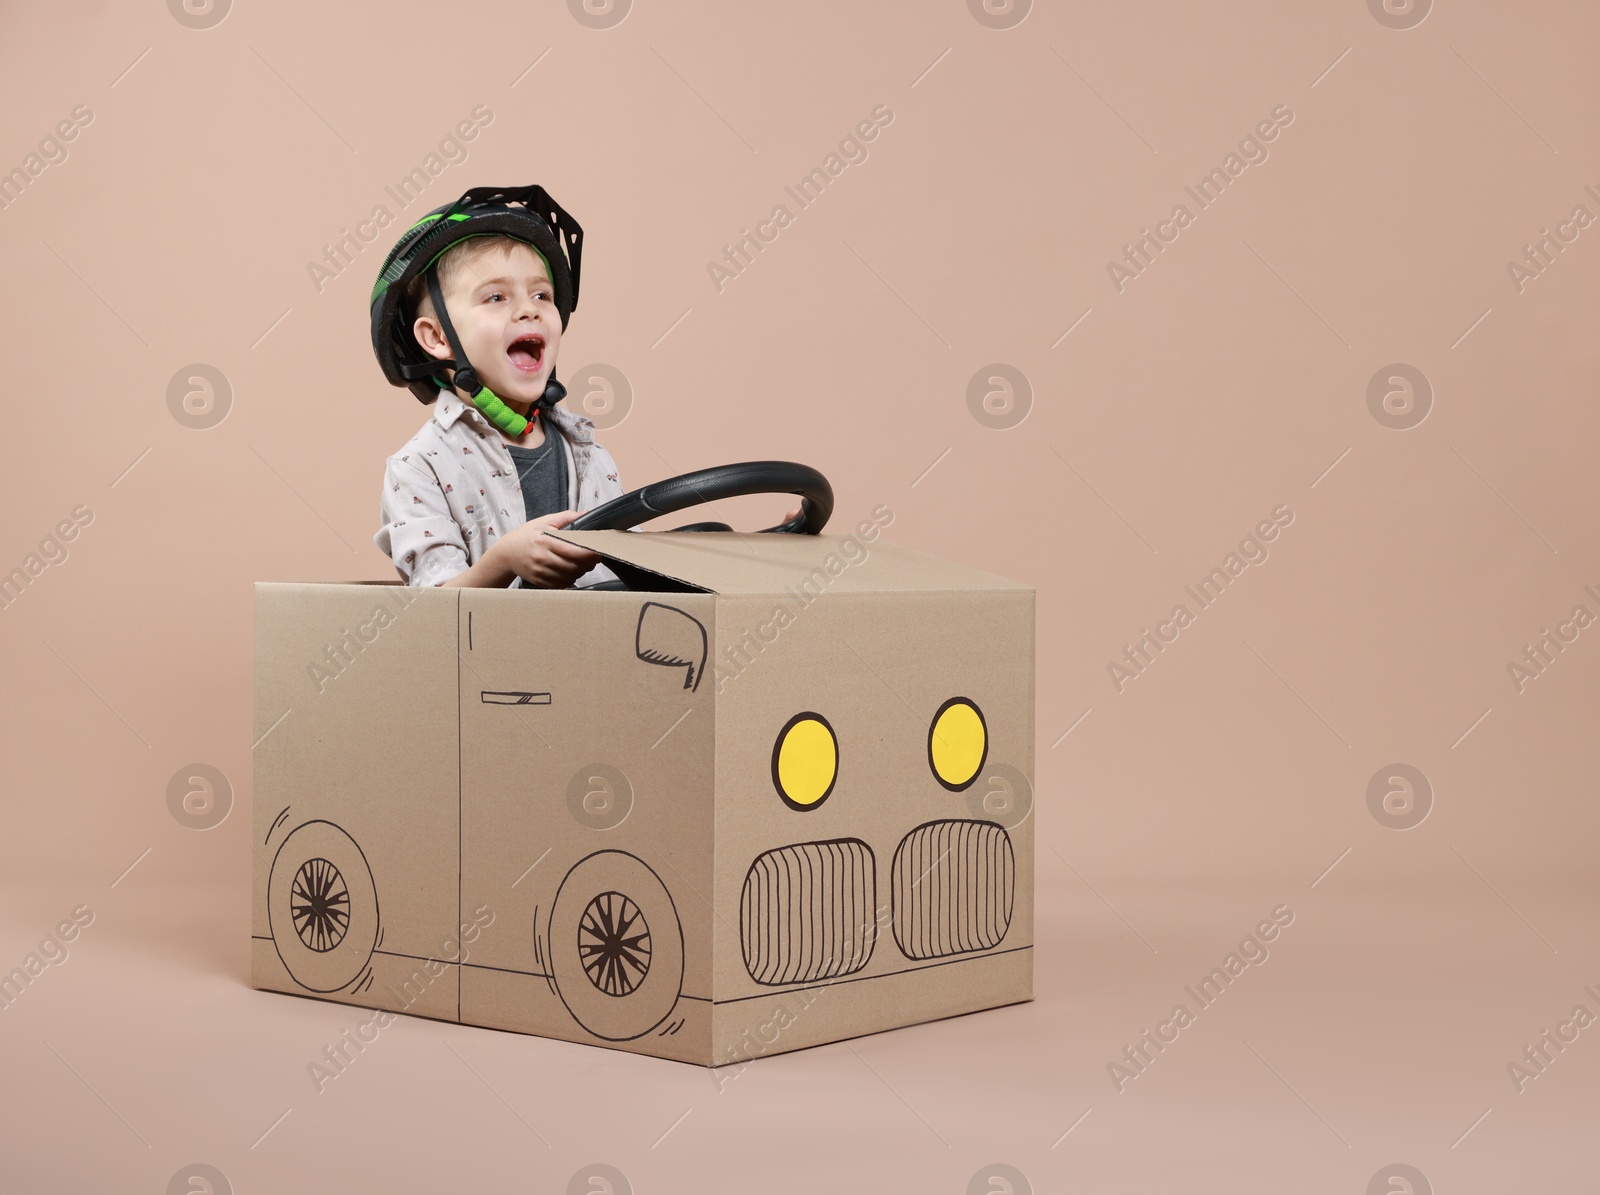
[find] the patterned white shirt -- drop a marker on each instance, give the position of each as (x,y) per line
(452,491)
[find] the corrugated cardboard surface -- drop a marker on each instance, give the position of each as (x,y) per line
(554,801)
(601,720)
(731,562)
(876,667)
(356,761)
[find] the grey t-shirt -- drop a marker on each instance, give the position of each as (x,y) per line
(542,472)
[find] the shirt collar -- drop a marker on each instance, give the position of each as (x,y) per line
(577,428)
(450,407)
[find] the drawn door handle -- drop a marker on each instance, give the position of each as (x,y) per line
(513,697)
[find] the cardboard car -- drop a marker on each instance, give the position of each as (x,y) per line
(776,793)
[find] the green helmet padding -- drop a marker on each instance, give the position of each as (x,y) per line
(525,214)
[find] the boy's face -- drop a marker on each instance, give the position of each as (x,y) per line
(503,306)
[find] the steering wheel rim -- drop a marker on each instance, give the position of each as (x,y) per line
(673,494)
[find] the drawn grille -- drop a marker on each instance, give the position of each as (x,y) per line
(807,912)
(953,887)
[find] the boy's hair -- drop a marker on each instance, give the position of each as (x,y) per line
(455,259)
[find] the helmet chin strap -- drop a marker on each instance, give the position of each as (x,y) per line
(466,378)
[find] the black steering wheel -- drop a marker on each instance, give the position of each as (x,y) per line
(708,485)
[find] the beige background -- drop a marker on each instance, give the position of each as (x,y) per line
(1164,421)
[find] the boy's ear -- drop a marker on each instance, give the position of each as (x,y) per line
(430,335)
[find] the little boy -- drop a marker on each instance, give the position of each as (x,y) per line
(468,312)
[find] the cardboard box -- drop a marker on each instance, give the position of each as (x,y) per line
(782,799)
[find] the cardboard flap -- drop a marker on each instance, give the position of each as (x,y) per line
(734,562)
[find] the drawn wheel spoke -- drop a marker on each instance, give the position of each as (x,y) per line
(319,903)
(614,944)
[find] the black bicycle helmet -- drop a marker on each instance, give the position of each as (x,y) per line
(526,214)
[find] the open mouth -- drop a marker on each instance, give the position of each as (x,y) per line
(527,352)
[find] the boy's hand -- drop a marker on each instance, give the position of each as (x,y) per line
(542,560)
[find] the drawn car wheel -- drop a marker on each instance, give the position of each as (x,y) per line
(616,946)
(322,907)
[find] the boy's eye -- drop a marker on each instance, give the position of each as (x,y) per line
(539,294)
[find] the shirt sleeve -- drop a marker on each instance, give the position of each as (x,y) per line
(419,533)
